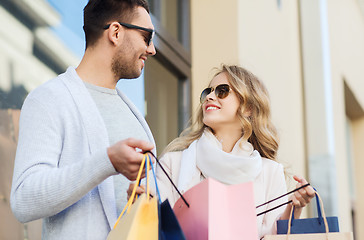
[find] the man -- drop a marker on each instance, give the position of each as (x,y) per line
(78,132)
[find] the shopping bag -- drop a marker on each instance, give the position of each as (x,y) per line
(218,211)
(169,228)
(312,236)
(140,221)
(309,225)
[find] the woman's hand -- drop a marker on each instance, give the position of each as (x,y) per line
(140,190)
(299,198)
(303,196)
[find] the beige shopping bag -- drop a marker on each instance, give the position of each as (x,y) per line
(312,236)
(140,221)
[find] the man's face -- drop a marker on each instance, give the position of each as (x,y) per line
(128,61)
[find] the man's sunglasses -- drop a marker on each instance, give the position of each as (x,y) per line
(131,26)
(221,91)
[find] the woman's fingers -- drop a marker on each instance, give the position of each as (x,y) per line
(130,189)
(295,202)
(139,190)
(301,201)
(303,196)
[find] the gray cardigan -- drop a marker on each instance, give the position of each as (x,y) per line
(62,170)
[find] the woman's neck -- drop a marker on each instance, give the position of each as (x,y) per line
(228,139)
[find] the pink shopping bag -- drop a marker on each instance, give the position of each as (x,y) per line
(218,211)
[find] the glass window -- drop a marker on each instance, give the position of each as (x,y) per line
(162,102)
(169,16)
(173,15)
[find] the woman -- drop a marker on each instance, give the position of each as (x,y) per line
(233,141)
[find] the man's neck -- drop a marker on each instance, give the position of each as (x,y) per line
(95,69)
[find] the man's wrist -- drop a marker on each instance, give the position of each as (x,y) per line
(110,154)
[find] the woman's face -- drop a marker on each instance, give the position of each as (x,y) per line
(219,113)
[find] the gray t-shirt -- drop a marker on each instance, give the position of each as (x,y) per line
(121,124)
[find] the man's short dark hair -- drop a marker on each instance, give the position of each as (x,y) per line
(98,13)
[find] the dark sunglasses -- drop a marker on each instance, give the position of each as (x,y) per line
(221,91)
(131,26)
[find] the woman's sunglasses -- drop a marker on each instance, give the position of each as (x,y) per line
(221,91)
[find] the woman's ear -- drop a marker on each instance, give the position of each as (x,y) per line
(115,33)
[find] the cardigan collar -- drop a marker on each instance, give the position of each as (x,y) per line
(94,124)
(97,133)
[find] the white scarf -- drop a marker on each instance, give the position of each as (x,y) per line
(242,164)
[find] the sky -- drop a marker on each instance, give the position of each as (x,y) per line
(70,29)
(71,33)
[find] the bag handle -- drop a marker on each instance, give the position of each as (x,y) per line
(319,213)
(320,218)
(155,178)
(323,215)
(169,178)
(294,190)
(133,194)
(146,174)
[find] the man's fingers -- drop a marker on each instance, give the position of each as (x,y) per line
(126,158)
(132,172)
(137,143)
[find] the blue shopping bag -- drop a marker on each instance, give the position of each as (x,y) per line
(309,225)
(169,227)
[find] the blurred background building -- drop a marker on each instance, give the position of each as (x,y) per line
(309,53)
(30,54)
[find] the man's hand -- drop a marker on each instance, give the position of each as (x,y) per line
(125,158)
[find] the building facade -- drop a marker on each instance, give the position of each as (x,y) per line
(309,53)
(30,54)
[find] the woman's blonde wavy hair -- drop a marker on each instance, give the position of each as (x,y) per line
(257,127)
